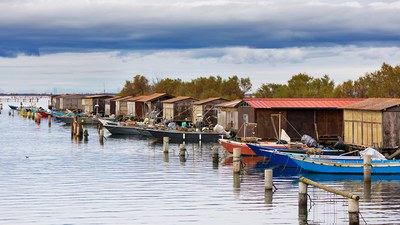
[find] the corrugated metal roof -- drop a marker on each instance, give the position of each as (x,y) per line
(269,103)
(375,104)
(148,98)
(207,100)
(231,104)
(114,98)
(177,99)
(124,98)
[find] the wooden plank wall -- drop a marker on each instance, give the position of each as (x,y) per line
(391,130)
(363,128)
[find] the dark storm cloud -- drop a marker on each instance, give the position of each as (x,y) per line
(36,27)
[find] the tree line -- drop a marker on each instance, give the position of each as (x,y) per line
(382,83)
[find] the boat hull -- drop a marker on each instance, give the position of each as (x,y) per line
(229,145)
(274,156)
(70,120)
(346,166)
(122,130)
(181,136)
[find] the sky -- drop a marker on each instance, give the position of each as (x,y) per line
(92,46)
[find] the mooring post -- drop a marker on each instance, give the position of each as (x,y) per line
(182,150)
(354,212)
(268,179)
(367,168)
(236,182)
(49,120)
(165,157)
(165,144)
(303,213)
(236,160)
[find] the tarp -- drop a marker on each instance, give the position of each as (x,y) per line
(373,152)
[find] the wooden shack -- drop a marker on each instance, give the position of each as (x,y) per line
(320,118)
(121,106)
(374,122)
(150,106)
(131,104)
(95,104)
(178,109)
(71,102)
(205,112)
(109,105)
(228,114)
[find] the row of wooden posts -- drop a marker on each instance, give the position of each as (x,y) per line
(353,200)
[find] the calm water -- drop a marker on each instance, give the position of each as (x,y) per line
(47,178)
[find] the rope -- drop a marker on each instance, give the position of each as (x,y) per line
(291,126)
(363,218)
(311,202)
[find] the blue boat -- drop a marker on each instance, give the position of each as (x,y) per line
(275,156)
(345,166)
(281,157)
(13,107)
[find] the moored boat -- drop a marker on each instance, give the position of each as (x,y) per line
(121,130)
(179,136)
(346,166)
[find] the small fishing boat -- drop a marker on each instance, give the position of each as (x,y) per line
(281,156)
(122,130)
(346,166)
(68,120)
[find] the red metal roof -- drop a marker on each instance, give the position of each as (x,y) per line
(268,103)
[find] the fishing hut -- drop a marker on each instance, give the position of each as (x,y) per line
(205,111)
(151,105)
(373,122)
(228,114)
(95,104)
(320,118)
(178,109)
(109,105)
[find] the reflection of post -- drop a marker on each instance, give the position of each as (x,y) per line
(215,157)
(367,191)
(268,197)
(236,182)
(166,157)
(303,213)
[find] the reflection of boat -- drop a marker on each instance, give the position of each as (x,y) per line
(13,107)
(185,136)
(346,166)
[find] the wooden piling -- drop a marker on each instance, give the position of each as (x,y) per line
(49,121)
(182,150)
(367,168)
(268,179)
(236,160)
(165,144)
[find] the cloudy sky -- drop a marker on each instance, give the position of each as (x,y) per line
(91,45)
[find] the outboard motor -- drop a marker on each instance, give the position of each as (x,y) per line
(309,141)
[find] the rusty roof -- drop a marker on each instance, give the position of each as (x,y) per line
(208,100)
(177,99)
(98,96)
(114,98)
(124,98)
(231,104)
(374,104)
(269,103)
(148,98)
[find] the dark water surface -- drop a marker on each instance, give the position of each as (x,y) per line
(47,178)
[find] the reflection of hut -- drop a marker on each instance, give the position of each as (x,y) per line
(204,111)
(321,118)
(94,103)
(178,109)
(228,114)
(109,105)
(150,105)
(374,122)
